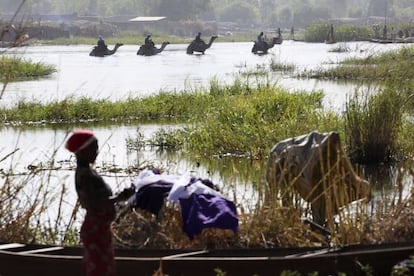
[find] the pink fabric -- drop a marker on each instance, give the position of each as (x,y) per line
(96,237)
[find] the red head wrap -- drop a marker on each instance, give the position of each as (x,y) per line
(79,140)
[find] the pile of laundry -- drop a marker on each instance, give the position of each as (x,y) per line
(202,205)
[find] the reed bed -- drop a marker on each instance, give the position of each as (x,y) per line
(373,123)
(164,106)
(13,68)
(377,118)
(318,33)
(388,67)
(27,198)
(243,118)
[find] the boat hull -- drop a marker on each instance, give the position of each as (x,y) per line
(44,261)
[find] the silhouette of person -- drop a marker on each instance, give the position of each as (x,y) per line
(148,42)
(101,44)
(260,39)
(94,195)
(198,38)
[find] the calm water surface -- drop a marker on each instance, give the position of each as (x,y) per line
(125,74)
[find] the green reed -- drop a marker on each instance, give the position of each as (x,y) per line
(165,105)
(282,67)
(318,33)
(242,118)
(391,66)
(248,122)
(13,68)
(374,118)
(373,123)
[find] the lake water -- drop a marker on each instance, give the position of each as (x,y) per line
(125,74)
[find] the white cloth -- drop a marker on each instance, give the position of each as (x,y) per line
(181,190)
(147,177)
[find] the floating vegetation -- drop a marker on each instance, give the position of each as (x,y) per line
(18,69)
(257,72)
(393,66)
(282,67)
(340,48)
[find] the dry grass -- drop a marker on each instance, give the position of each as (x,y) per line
(264,229)
(386,218)
(24,217)
(26,200)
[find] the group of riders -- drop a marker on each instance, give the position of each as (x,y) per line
(148,43)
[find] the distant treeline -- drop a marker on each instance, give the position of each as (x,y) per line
(253,13)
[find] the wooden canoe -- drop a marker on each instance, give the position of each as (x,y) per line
(396,40)
(41,260)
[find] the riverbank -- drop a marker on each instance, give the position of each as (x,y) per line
(237,118)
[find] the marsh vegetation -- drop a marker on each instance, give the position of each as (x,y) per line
(239,122)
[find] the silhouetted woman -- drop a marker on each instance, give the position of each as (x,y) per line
(96,197)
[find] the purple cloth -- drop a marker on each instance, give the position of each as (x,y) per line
(201,211)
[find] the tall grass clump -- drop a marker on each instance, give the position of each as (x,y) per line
(282,67)
(16,68)
(248,120)
(372,125)
(163,106)
(389,67)
(374,121)
(318,33)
